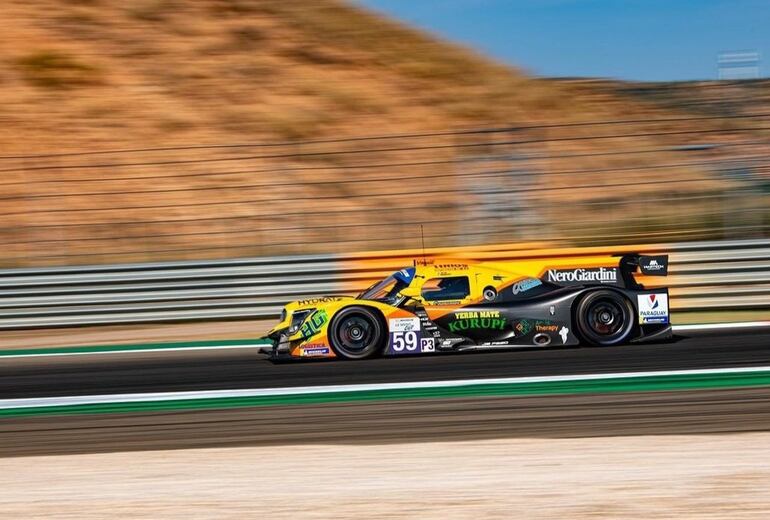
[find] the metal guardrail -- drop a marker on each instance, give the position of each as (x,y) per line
(703,275)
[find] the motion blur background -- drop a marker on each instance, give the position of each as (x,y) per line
(172,172)
(168,130)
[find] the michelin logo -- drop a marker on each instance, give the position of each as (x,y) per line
(315,351)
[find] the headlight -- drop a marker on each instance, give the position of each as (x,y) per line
(297,318)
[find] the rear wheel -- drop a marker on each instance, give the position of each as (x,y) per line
(357,333)
(604,318)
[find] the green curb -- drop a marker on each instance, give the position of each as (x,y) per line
(595,385)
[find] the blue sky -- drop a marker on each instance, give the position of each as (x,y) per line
(629,39)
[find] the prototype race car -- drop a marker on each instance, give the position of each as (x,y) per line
(458,305)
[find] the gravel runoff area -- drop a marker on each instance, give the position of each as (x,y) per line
(685,477)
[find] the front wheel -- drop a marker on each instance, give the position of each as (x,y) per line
(604,318)
(356,333)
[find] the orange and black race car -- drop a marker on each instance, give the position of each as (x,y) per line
(455,305)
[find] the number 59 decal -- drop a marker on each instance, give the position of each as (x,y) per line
(404,342)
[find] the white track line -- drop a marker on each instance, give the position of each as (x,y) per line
(306,390)
(717,326)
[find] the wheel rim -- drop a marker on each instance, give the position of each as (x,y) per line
(606,319)
(355,334)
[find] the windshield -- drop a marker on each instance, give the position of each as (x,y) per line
(384,291)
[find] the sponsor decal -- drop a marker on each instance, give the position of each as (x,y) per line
(654,264)
(452,267)
(427,345)
(314,323)
(477,314)
(563,332)
(405,342)
(404,324)
(581,275)
(653,308)
(490,320)
(314,301)
(315,350)
(525,285)
(545,326)
(523,327)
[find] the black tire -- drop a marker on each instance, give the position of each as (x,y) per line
(357,333)
(604,318)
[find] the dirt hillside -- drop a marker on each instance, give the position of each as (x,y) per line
(97,75)
(89,74)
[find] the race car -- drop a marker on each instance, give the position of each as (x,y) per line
(454,305)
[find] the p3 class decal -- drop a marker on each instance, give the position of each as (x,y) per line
(428,344)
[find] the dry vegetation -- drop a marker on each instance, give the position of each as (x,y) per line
(90,74)
(103,75)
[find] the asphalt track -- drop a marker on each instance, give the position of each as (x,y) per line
(691,411)
(233,369)
(597,415)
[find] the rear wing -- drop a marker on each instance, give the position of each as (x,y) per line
(651,265)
